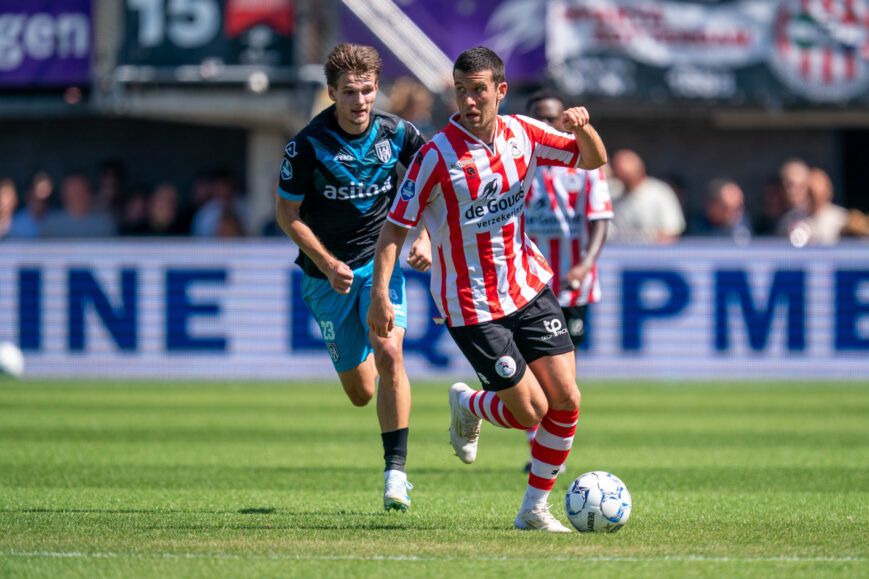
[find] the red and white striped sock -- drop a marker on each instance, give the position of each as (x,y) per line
(549,451)
(486,405)
(529,434)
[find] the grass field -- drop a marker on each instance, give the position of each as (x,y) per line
(231,480)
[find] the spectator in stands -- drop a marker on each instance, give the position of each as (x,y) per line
(229,224)
(134,216)
(412,101)
(824,221)
(8,203)
(27,222)
(78,218)
(224,195)
(723,213)
(111,193)
(647,211)
(163,212)
(794,175)
(774,206)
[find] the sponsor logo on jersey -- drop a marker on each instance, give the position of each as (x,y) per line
(356,190)
(408,190)
(291,149)
(490,203)
(286,170)
(505,366)
(383,150)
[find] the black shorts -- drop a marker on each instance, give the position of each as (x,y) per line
(577,322)
(501,350)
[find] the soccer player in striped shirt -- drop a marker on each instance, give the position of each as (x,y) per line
(468,186)
(567,212)
(337,181)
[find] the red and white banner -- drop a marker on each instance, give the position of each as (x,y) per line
(818,49)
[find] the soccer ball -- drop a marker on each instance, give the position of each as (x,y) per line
(598,502)
(11,360)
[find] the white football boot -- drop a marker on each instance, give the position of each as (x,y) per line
(539,519)
(464,426)
(395,489)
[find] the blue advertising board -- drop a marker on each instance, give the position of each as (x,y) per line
(234,310)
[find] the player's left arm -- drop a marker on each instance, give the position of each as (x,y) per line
(592,153)
(381,314)
(596,239)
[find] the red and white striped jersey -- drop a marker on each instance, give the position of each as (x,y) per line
(471,198)
(559,209)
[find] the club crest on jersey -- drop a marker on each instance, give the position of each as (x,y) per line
(383,150)
(514,148)
(408,190)
(505,366)
(286,170)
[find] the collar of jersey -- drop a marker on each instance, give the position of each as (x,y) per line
(494,149)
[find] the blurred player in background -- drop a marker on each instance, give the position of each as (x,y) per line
(567,212)
(337,181)
(468,185)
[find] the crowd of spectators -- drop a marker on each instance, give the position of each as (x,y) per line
(86,208)
(796,204)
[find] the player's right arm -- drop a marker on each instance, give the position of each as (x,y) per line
(338,273)
(294,184)
(381,314)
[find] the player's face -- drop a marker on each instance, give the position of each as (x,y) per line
(354,98)
(477,98)
(549,111)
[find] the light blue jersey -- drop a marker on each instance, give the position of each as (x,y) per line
(343,317)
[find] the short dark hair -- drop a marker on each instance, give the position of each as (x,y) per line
(479,59)
(544,94)
(352,58)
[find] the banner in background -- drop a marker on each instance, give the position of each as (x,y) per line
(212,33)
(183,309)
(45,43)
(515,29)
(745,52)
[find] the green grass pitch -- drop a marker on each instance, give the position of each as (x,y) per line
(243,480)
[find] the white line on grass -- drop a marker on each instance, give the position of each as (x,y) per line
(698,558)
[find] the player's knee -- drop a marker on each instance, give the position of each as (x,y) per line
(360,397)
(569,399)
(531,414)
(388,359)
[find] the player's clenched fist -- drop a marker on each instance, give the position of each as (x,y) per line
(574,117)
(381,317)
(340,277)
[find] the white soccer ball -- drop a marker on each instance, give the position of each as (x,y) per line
(11,360)
(598,502)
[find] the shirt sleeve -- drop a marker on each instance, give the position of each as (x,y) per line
(296,170)
(413,142)
(551,147)
(599,202)
(421,179)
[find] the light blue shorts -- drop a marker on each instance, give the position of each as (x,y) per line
(343,317)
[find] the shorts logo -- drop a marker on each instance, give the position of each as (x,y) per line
(383,150)
(552,326)
(286,170)
(505,366)
(483,378)
(333,350)
(393,296)
(408,190)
